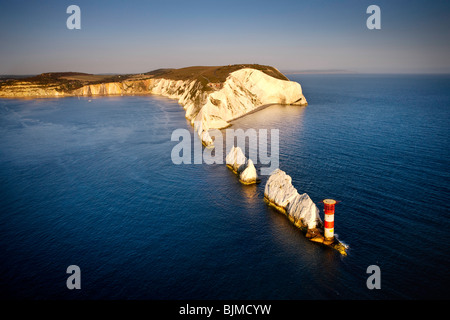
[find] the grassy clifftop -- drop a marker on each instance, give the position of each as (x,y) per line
(59,81)
(213,74)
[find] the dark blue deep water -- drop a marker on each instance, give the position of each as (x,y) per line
(90,182)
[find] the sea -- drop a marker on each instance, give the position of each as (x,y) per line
(90,182)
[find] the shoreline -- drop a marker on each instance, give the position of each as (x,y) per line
(210,96)
(201,105)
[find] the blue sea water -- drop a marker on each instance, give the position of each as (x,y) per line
(90,182)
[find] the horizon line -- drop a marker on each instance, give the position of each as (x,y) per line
(284,71)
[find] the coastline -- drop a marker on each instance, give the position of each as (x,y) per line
(194,98)
(210,96)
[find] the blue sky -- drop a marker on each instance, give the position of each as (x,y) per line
(138,36)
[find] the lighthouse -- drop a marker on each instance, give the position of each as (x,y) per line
(329,218)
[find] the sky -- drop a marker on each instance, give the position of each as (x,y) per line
(119,36)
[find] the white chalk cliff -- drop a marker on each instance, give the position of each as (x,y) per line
(242,92)
(299,208)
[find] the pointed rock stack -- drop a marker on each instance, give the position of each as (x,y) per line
(244,168)
(299,208)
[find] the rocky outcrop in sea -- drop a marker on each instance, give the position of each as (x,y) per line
(242,166)
(299,208)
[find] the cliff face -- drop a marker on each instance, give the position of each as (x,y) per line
(113,88)
(207,107)
(242,92)
(25,89)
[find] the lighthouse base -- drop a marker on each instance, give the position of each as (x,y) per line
(316,235)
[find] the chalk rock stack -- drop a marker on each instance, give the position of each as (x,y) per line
(246,170)
(249,175)
(299,208)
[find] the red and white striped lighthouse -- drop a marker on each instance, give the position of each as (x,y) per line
(329,218)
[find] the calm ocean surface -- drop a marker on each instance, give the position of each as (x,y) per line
(90,182)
